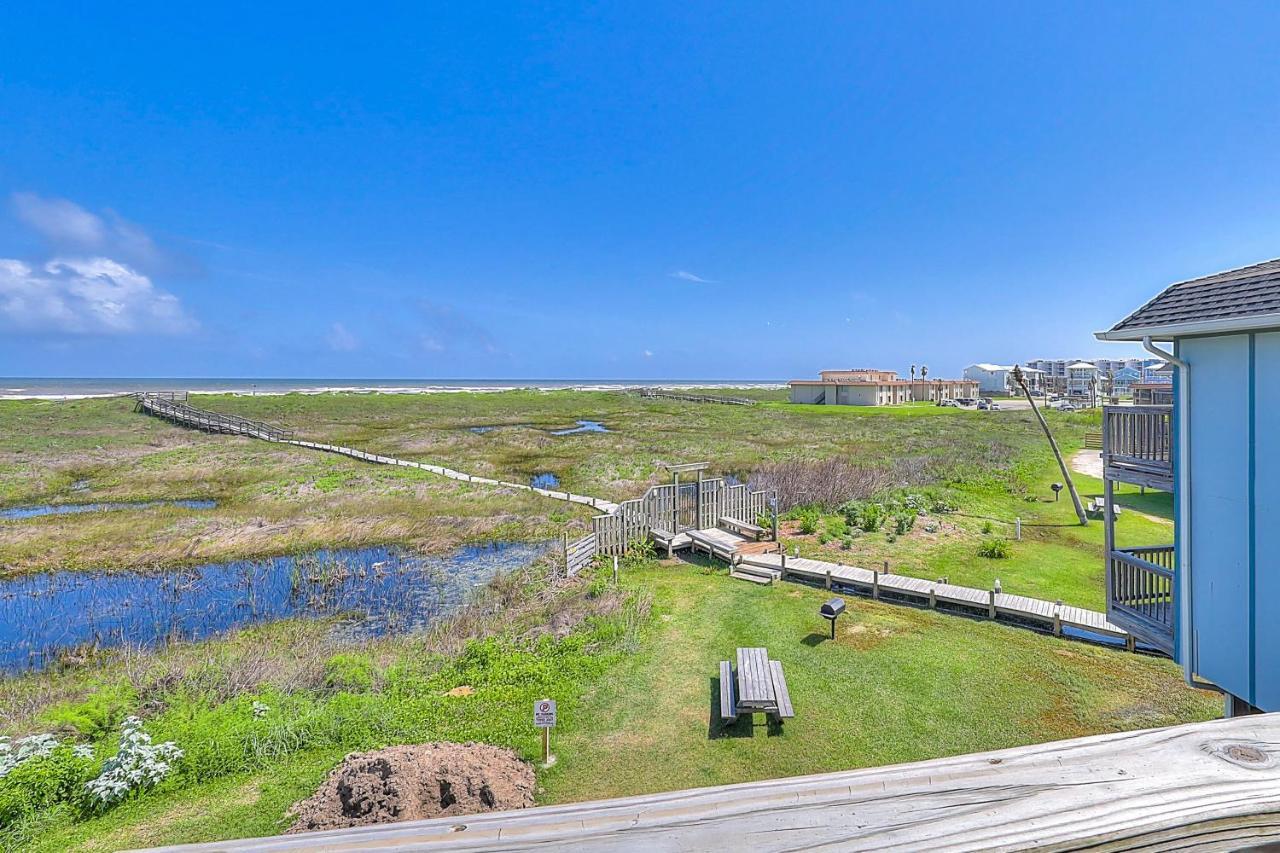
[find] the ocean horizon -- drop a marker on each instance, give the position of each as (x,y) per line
(72,388)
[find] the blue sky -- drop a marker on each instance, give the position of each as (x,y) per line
(679,190)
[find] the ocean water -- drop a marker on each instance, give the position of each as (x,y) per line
(55,388)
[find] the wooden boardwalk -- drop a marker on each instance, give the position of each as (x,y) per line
(662,394)
(190,416)
(994,605)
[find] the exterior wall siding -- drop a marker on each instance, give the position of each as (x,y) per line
(1221,432)
(1266,521)
(805,393)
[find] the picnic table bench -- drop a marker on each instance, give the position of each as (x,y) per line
(756,684)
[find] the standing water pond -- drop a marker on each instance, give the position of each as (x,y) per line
(15,513)
(384,590)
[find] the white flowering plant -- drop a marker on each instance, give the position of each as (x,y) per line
(137,765)
(13,753)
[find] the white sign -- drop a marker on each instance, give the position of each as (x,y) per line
(544,714)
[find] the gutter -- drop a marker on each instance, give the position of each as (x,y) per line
(1186,644)
(1167,332)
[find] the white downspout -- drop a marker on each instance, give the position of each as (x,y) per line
(1186,645)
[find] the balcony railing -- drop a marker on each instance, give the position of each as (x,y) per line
(1137,445)
(1140,593)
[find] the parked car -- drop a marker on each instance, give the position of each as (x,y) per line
(984,404)
(951,403)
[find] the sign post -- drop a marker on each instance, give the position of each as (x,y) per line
(544,717)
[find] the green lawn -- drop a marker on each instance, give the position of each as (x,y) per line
(898,684)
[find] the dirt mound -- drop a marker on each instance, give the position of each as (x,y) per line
(416,782)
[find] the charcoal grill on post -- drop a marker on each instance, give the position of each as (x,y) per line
(830,611)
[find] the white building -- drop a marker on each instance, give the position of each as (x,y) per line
(1082,378)
(998,378)
(991,378)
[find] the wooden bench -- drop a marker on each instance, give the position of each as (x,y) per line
(663,539)
(728,708)
(1097,506)
(785,711)
(742,528)
(717,543)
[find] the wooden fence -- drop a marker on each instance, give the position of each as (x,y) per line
(689,506)
(578,553)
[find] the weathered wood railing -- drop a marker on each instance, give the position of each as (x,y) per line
(1140,593)
(661,393)
(1203,786)
(665,508)
(209,421)
(178,396)
(579,553)
(1137,444)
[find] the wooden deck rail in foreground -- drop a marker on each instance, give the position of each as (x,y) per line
(1207,786)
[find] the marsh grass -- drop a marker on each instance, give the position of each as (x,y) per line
(275,499)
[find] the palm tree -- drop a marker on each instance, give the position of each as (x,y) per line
(913,373)
(1057,454)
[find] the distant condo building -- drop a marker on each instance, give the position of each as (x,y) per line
(869,387)
(1082,377)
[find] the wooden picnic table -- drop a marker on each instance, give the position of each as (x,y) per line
(756,685)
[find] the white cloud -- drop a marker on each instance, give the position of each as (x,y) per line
(648,353)
(685,275)
(86,296)
(60,220)
(71,229)
(340,339)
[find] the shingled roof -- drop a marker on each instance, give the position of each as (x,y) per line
(1249,296)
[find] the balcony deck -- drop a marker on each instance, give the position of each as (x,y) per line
(1137,445)
(1140,593)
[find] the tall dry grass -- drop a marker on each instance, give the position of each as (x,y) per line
(830,482)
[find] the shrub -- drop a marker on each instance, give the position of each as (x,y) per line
(902,522)
(995,548)
(639,553)
(809,520)
(864,515)
(94,717)
(42,782)
(987,528)
(137,765)
(837,526)
(846,543)
(348,672)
